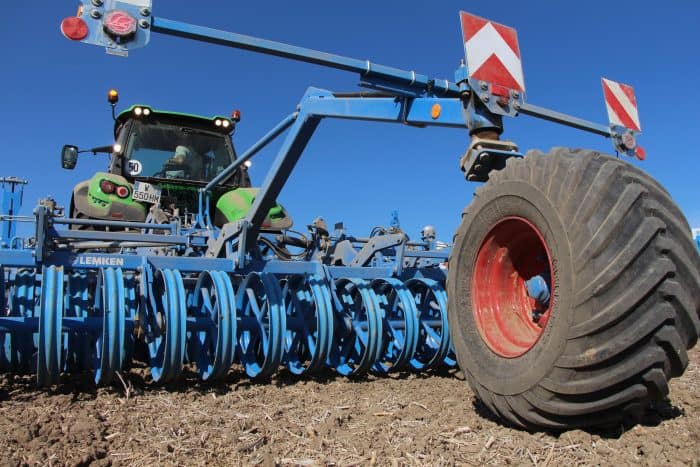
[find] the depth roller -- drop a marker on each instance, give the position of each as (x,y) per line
(20,341)
(131,295)
(309,323)
(400,327)
(4,333)
(262,325)
(110,301)
(164,322)
(434,334)
(213,341)
(50,325)
(16,334)
(358,327)
(79,352)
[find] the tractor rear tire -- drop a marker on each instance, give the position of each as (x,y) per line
(624,278)
(75,214)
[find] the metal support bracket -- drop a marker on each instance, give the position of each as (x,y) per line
(375,245)
(485,155)
(118,25)
(215,245)
(625,141)
(498,99)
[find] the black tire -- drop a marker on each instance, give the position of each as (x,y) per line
(625,299)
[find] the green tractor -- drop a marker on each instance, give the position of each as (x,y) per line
(159,162)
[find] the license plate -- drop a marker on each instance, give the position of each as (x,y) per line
(146,193)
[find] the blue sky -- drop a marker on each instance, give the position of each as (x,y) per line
(53,93)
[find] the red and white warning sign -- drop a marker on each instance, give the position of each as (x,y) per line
(621,104)
(492,52)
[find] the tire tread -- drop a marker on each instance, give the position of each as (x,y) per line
(637,295)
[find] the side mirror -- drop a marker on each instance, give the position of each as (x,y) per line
(69,156)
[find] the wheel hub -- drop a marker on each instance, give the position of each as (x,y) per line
(511,287)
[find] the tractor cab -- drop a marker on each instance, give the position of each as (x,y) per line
(177,148)
(159,162)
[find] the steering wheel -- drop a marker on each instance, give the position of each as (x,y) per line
(169,165)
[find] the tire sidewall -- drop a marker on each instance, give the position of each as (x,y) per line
(501,375)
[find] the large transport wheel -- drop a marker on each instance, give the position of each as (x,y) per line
(615,254)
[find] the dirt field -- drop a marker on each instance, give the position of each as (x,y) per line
(411,420)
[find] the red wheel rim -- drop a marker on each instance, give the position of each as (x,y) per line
(509,320)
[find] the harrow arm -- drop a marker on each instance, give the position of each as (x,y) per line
(410,111)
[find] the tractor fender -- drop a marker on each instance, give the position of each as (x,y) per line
(235,204)
(91,202)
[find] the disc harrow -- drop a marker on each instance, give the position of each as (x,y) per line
(73,322)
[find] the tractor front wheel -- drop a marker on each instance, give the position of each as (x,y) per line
(574,291)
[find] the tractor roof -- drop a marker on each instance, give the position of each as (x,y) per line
(169,117)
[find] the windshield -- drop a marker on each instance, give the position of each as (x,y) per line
(175,152)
